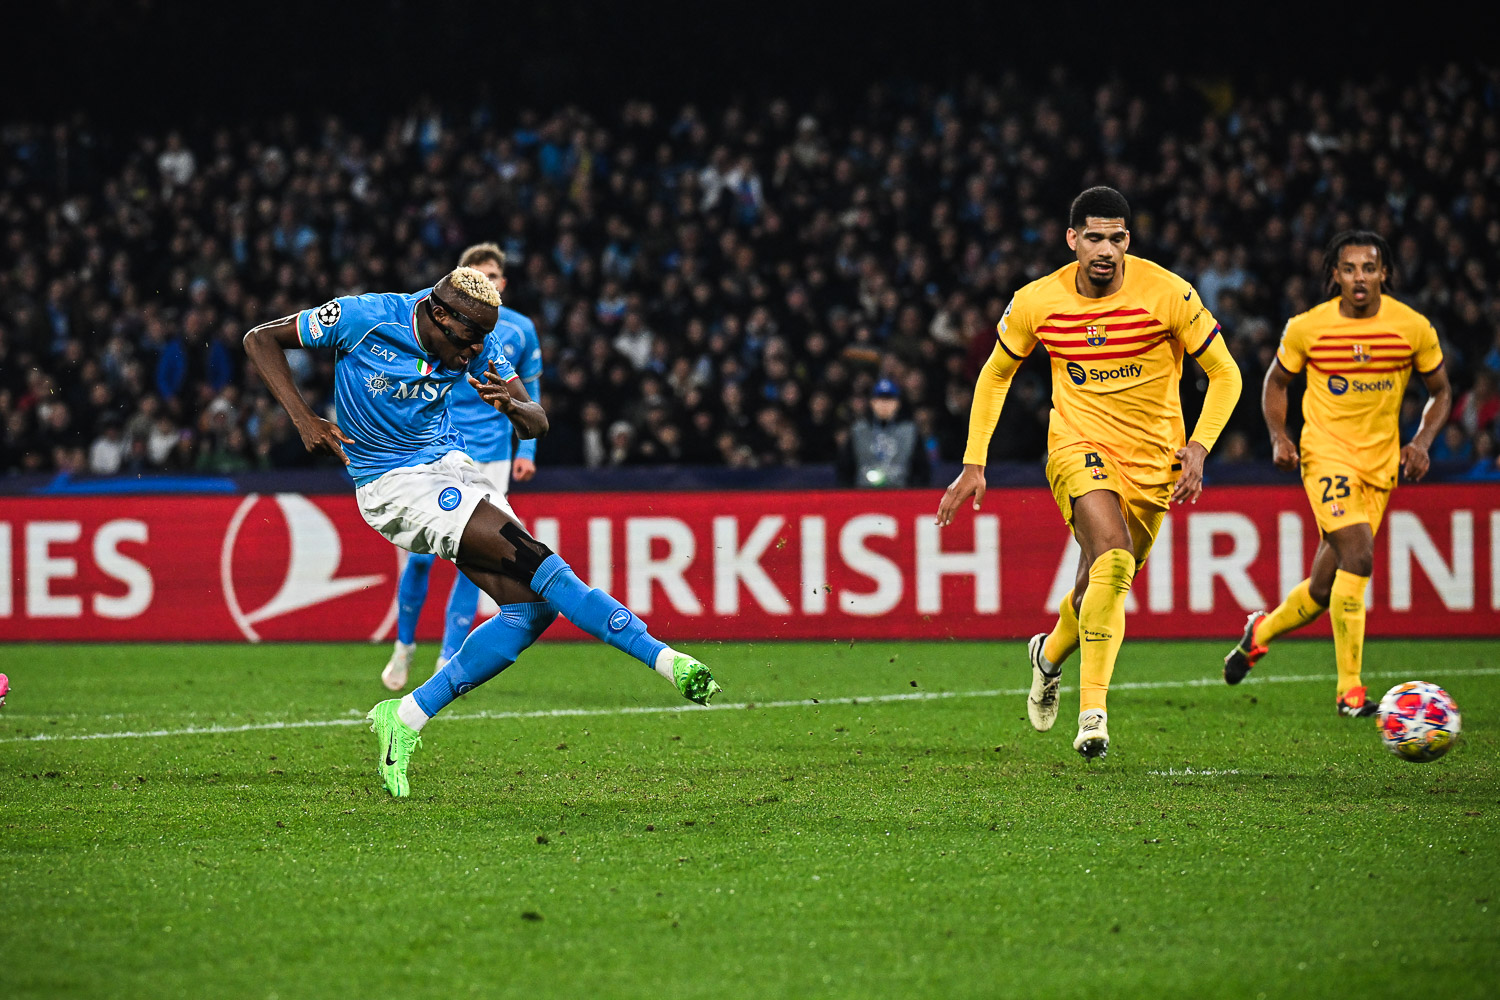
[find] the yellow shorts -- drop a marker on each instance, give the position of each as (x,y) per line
(1079,469)
(1340,498)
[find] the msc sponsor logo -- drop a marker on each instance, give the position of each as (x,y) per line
(377,384)
(429,391)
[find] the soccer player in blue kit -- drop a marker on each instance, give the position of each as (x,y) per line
(487,440)
(397,358)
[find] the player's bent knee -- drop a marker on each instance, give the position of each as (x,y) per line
(529,554)
(1360,563)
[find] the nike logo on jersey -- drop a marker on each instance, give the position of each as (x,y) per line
(1089,635)
(1188,296)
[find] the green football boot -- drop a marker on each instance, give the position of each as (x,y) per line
(397,741)
(693,679)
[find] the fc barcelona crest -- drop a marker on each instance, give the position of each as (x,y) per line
(1095,335)
(1361,353)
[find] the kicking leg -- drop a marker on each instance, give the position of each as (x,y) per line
(494,542)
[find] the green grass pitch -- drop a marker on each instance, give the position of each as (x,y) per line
(906,835)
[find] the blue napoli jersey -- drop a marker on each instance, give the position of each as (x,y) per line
(390,395)
(486,432)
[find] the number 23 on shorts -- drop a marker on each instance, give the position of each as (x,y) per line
(1334,487)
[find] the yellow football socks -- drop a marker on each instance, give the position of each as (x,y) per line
(1063,638)
(1346,611)
(1296,611)
(1101,624)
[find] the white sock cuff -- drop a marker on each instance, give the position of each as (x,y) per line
(411,713)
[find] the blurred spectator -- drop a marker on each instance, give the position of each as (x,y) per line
(884,449)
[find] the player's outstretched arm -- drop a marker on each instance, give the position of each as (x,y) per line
(1273,405)
(1414,460)
(511,399)
(264,346)
(989,398)
(1224,384)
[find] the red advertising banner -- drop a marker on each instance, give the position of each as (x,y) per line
(783,565)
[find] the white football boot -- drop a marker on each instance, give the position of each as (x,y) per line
(1041,704)
(1093,735)
(398,666)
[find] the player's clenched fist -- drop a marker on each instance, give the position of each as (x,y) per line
(1284,453)
(970,483)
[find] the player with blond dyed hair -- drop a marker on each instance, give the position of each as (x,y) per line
(1116,328)
(487,440)
(1358,349)
(397,357)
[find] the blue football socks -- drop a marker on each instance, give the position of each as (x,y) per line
(489,649)
(594,611)
(411,595)
(463,600)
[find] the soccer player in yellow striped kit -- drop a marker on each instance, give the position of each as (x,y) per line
(1358,351)
(1116,327)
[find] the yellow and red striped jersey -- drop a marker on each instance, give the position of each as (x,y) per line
(1116,361)
(1357,370)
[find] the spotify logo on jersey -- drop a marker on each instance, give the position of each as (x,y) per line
(1338,385)
(1076,373)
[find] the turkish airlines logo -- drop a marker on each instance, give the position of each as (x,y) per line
(289,563)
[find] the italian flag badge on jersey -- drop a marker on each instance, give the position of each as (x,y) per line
(423,368)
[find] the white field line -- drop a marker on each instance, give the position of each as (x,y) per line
(1183,772)
(564,713)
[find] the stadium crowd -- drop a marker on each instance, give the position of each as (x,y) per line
(720,285)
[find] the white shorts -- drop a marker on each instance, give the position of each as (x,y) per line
(424,508)
(497,473)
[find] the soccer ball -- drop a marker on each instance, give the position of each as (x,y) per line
(1418,721)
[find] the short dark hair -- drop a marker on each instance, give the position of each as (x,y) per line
(1100,202)
(1358,238)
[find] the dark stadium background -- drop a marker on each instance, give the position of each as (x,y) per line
(156,62)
